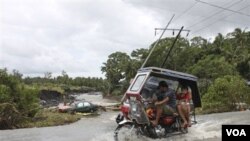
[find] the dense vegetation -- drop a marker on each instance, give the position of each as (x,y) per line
(226,93)
(17,102)
(19,97)
(222,66)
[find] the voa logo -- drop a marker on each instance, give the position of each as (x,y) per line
(236,132)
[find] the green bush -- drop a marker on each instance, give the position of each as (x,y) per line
(28,103)
(225,94)
(17,101)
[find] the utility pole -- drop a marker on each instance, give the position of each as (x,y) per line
(163,31)
(172,29)
(144,63)
(178,35)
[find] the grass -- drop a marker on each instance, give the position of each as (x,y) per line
(46,117)
(52,88)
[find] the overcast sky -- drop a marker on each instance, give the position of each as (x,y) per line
(38,36)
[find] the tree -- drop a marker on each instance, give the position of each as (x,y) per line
(140,54)
(161,50)
(159,53)
(115,69)
(244,68)
(47,75)
(17,74)
(212,67)
(17,101)
(217,45)
(188,57)
(238,51)
(225,94)
(199,42)
(64,79)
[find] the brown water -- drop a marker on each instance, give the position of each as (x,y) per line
(101,128)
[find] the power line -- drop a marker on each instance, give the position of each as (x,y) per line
(207,18)
(223,8)
(218,20)
(185,11)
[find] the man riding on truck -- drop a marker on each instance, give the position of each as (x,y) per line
(165,101)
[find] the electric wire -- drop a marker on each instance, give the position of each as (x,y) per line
(207,18)
(222,19)
(223,8)
(185,11)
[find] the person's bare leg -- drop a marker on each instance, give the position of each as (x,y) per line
(158,115)
(186,112)
(188,115)
(182,114)
(173,111)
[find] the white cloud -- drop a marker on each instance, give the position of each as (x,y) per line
(77,36)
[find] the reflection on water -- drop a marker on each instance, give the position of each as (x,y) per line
(101,128)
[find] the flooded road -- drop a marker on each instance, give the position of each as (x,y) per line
(84,130)
(101,128)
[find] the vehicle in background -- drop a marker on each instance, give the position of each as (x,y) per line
(79,106)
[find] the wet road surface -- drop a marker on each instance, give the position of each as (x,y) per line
(100,128)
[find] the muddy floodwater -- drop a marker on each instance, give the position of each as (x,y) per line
(100,128)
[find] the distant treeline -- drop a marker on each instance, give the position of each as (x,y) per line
(64,80)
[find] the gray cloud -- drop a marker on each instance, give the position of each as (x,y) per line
(78,35)
(201,19)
